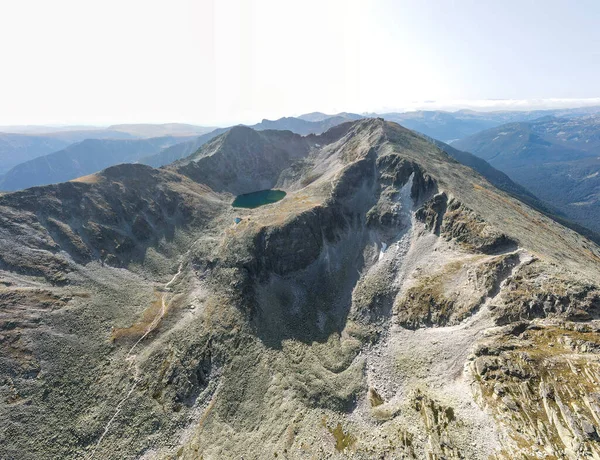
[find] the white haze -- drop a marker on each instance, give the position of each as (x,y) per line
(217,62)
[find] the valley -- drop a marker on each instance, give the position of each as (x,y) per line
(556,159)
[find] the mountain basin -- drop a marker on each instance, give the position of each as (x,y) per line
(256,199)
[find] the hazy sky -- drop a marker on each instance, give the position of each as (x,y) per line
(223,61)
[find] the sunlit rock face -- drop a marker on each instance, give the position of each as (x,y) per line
(393,305)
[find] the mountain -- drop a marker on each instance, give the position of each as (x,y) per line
(300,126)
(495,176)
(444,126)
(506,184)
(541,141)
(395,304)
(295,125)
(451,126)
(556,159)
(320,116)
(161,130)
(72,136)
(180,150)
(435,124)
(81,159)
(132,130)
(92,155)
(43,129)
(224,162)
(17,148)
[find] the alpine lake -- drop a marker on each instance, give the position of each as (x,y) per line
(256,199)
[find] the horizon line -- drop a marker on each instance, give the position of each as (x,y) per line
(449,106)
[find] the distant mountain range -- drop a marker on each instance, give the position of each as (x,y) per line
(19,144)
(295,125)
(80,159)
(530,148)
(180,150)
(91,155)
(137,130)
(16,148)
(302,126)
(161,130)
(557,159)
(23,143)
(320,116)
(451,126)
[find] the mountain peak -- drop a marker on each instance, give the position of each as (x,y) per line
(240,130)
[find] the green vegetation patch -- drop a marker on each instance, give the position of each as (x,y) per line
(343,440)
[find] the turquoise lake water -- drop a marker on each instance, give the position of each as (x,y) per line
(256,199)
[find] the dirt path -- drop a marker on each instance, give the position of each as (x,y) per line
(131,359)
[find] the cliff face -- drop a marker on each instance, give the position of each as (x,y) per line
(394,304)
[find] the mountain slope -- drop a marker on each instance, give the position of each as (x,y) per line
(161,130)
(93,155)
(444,126)
(81,159)
(506,184)
(295,125)
(224,163)
(521,144)
(18,148)
(300,126)
(557,159)
(180,150)
(450,126)
(320,116)
(394,304)
(495,176)
(72,136)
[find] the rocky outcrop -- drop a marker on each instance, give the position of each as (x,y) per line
(435,300)
(454,221)
(436,419)
(541,383)
(531,293)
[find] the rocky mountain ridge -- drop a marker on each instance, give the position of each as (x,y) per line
(393,305)
(93,154)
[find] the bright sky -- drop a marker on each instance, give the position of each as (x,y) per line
(217,62)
